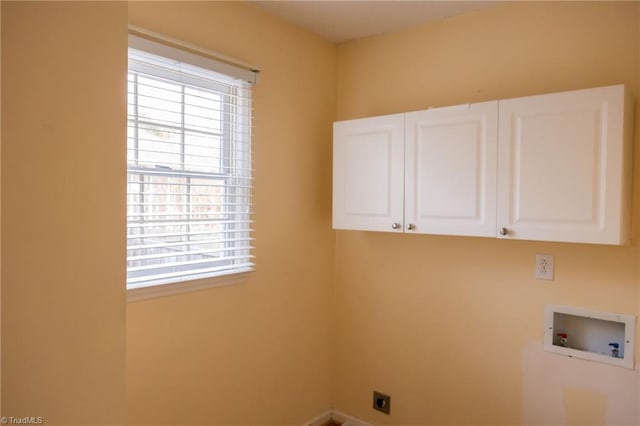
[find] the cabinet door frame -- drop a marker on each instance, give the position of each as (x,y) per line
(451,170)
(368,174)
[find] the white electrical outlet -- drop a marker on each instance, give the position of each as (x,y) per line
(544,267)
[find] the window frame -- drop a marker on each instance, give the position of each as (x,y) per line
(195,281)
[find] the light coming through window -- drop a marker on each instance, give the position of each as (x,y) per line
(189,172)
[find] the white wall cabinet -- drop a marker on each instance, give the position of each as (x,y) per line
(553,167)
(450,170)
(368,174)
(431,171)
(565,166)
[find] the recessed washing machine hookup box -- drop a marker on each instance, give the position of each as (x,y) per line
(596,336)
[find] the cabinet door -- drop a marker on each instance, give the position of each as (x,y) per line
(561,169)
(368,164)
(450,166)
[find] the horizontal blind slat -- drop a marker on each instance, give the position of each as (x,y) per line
(187,263)
(185,223)
(205,253)
(184,276)
(174,234)
(186,243)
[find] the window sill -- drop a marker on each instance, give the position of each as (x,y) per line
(162,290)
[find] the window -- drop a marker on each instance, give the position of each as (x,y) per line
(189,166)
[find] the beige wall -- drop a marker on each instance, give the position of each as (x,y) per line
(259,352)
(63,211)
(0,212)
(637,203)
(451,327)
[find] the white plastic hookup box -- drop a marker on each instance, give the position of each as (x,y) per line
(592,335)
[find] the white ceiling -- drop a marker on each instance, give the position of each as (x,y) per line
(341,21)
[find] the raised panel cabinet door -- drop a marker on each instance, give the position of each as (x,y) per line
(368,164)
(564,166)
(450,170)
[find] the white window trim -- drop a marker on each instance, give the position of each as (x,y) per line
(156,291)
(168,47)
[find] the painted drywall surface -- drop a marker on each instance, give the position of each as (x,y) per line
(63,211)
(0,212)
(636,202)
(488,55)
(451,327)
(258,352)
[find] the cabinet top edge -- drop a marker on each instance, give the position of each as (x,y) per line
(621,88)
(614,89)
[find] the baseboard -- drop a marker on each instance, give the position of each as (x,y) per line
(347,420)
(321,420)
(338,416)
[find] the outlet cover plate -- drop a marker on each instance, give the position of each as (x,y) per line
(544,267)
(381,402)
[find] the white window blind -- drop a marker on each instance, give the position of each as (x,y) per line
(189,168)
